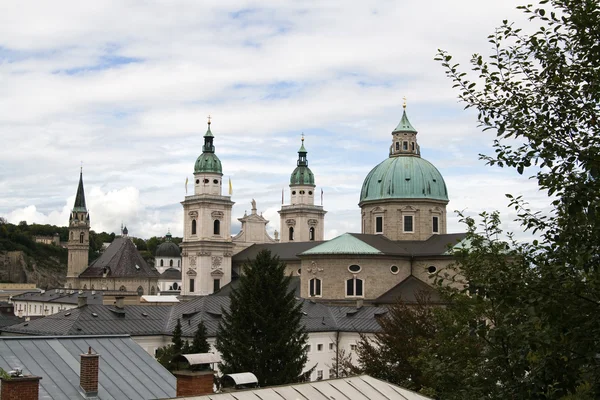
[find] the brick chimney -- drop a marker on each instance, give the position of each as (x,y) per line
(88,373)
(194,383)
(20,388)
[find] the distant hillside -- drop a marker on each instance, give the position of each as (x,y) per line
(22,260)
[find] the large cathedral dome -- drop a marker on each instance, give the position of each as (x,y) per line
(406,177)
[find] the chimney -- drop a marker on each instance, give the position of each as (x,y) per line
(194,383)
(88,373)
(120,302)
(81,300)
(19,387)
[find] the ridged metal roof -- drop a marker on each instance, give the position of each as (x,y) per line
(344,244)
(126,370)
(361,387)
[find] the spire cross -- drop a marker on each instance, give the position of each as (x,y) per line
(209,119)
(404,104)
(302,136)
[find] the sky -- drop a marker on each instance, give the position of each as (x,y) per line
(124,88)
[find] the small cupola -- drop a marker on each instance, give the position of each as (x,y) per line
(208,162)
(404,138)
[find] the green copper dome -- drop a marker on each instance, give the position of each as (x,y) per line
(404,178)
(302,175)
(208,160)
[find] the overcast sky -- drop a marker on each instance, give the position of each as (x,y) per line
(125,87)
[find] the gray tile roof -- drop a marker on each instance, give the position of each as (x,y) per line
(171,274)
(285,251)
(161,320)
(408,290)
(66,297)
(362,387)
(121,260)
(126,371)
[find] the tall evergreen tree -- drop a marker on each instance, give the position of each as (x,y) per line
(199,343)
(262,332)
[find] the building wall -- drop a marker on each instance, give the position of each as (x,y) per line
(130,284)
(25,309)
(166,263)
(301,218)
(333,271)
(393,212)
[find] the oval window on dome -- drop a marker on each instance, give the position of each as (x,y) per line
(310,192)
(432,269)
(197,181)
(354,268)
(302,192)
(394,269)
(293,192)
(216,181)
(206,181)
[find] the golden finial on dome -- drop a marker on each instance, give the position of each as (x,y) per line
(302,137)
(404,104)
(209,119)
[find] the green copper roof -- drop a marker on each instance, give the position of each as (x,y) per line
(404,125)
(404,177)
(344,244)
(80,197)
(208,162)
(302,175)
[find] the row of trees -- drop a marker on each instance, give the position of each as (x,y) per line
(526,325)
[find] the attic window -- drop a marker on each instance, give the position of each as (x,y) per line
(94,314)
(137,267)
(407,179)
(67,314)
(144,314)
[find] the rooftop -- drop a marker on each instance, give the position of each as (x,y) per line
(120,260)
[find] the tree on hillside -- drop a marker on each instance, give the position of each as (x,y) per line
(262,332)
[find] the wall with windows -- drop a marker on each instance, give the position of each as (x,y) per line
(351,277)
(404,219)
(25,309)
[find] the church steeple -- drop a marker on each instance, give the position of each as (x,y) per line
(302,161)
(404,138)
(208,140)
(80,197)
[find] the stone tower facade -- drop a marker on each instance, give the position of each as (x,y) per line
(207,246)
(302,220)
(78,244)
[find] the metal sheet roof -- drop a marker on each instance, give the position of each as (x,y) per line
(202,358)
(343,244)
(126,371)
(361,387)
(243,378)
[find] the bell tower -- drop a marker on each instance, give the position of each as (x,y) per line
(302,220)
(78,244)
(207,246)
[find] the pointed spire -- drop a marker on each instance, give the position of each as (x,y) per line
(404,125)
(302,161)
(168,235)
(80,197)
(208,140)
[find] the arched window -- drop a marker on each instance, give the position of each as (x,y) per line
(161,263)
(311,233)
(217,227)
(84,287)
(397,145)
(179,263)
(291,233)
(152,292)
(170,263)
(71,235)
(140,291)
(193,227)
(122,289)
(354,287)
(81,236)
(314,287)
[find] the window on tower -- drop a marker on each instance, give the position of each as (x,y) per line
(311,233)
(404,145)
(397,145)
(379,224)
(436,225)
(408,223)
(412,146)
(81,236)
(314,287)
(216,285)
(193,227)
(217,227)
(161,263)
(192,285)
(354,287)
(170,263)
(291,233)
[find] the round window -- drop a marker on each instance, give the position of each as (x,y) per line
(299,271)
(354,268)
(431,269)
(394,269)
(206,181)
(215,181)
(310,192)
(302,192)
(293,192)
(197,181)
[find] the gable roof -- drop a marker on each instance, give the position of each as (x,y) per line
(120,260)
(61,296)
(126,370)
(408,290)
(344,244)
(362,387)
(285,251)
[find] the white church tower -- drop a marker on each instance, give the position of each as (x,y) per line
(302,220)
(207,246)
